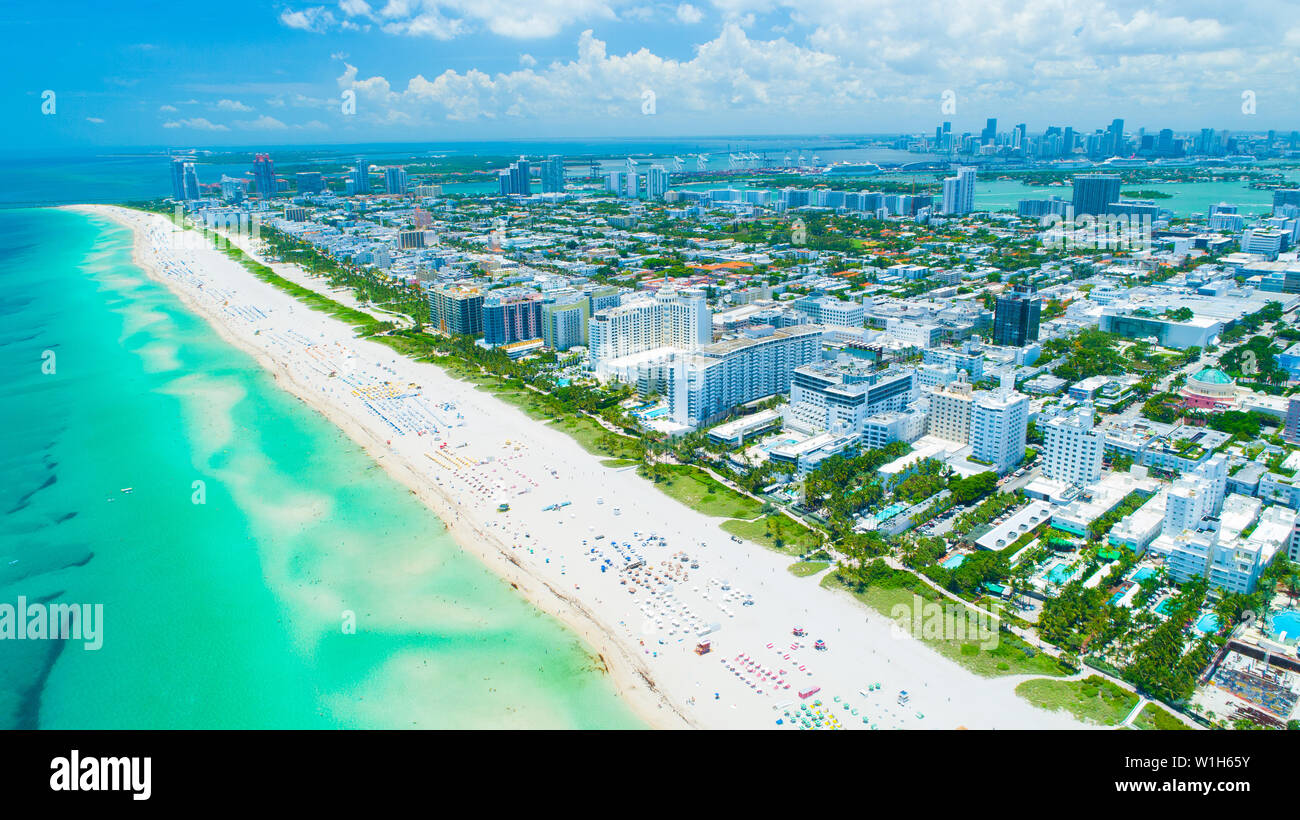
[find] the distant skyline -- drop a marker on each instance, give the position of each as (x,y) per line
(248,74)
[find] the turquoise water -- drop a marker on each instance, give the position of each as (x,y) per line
(1207,623)
(889,512)
(1186,198)
(1287,621)
(229,613)
(1060,573)
(1143,574)
(955,561)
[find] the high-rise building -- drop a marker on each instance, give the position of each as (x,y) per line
(656,182)
(185,180)
(309,182)
(553,175)
(511,317)
(516,180)
(1115,140)
(395,180)
(1015,318)
(1093,193)
(264,175)
(456,309)
(990,132)
(672,318)
(1074,447)
(950,410)
(705,385)
(959,192)
(841,395)
(564,324)
(410,240)
(361,177)
(999,420)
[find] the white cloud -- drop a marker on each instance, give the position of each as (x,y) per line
(316,18)
(262,123)
(447,19)
(196,124)
(1060,60)
(232,105)
(95,120)
(170,109)
(688,14)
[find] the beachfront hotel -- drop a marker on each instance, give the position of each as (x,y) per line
(676,319)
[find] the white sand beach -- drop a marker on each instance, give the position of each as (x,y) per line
(463,452)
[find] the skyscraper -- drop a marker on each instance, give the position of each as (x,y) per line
(310,182)
(553,175)
(1015,319)
(185,180)
(1115,138)
(511,317)
(395,179)
(178,179)
(361,177)
(1093,193)
(656,182)
(264,175)
(516,180)
(959,192)
(990,132)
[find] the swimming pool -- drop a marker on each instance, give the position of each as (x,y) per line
(889,512)
(1207,623)
(1143,574)
(1163,606)
(1287,622)
(955,561)
(1060,573)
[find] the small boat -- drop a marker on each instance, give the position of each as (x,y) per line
(127,489)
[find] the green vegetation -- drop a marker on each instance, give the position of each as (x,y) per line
(805,568)
(1153,716)
(775,531)
(1093,699)
(1087,353)
(883,589)
(1161,668)
(701,491)
(1097,529)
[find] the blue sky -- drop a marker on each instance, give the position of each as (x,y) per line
(248,73)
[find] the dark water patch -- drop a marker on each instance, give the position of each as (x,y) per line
(81,562)
(26,497)
(65,517)
(28,713)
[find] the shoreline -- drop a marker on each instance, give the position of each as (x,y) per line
(661,683)
(540,594)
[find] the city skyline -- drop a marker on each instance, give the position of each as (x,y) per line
(461,71)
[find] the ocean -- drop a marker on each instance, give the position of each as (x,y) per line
(253,534)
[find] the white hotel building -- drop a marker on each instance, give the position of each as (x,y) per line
(998,424)
(675,319)
(1074,448)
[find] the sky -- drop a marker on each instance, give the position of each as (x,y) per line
(241,73)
